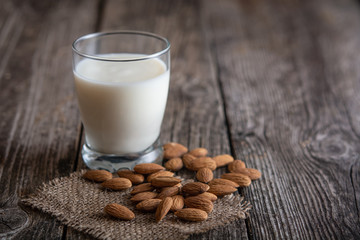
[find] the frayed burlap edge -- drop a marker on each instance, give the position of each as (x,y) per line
(171,226)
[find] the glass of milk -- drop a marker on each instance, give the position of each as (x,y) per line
(122,83)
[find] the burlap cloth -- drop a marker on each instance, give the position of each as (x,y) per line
(79,204)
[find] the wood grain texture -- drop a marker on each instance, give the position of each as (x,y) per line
(289,75)
(274,83)
(39,120)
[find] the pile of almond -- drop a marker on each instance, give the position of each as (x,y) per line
(157,190)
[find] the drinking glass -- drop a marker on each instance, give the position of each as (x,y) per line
(122,82)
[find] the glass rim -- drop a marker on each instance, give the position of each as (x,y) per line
(131,32)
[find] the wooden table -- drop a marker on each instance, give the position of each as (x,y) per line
(274,83)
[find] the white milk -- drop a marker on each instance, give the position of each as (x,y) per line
(121,103)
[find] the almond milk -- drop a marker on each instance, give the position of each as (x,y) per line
(121,103)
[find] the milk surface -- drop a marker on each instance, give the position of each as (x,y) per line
(122,104)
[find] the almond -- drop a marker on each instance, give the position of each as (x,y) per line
(149,205)
(159,174)
(174,164)
(159,189)
(221,181)
(135,178)
(163,208)
(221,190)
(239,178)
(174,150)
(199,203)
(203,162)
(117,183)
(191,214)
(195,188)
(119,211)
(163,181)
(235,165)
(204,175)
(97,175)
(252,173)
(199,152)
(143,196)
(187,160)
(168,192)
(145,187)
(223,160)
(148,168)
(209,196)
(178,203)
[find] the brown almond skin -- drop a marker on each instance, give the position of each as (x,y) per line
(204,175)
(178,203)
(191,214)
(165,181)
(187,160)
(168,192)
(159,189)
(221,190)
(97,175)
(203,162)
(144,187)
(195,188)
(221,181)
(239,178)
(174,150)
(135,178)
(143,196)
(209,196)
(119,211)
(252,173)
(199,152)
(199,203)
(148,168)
(117,184)
(149,205)
(159,174)
(235,165)
(223,160)
(174,164)
(163,208)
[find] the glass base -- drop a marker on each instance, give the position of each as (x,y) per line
(113,162)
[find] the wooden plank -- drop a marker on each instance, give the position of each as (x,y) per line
(289,74)
(39,119)
(194,114)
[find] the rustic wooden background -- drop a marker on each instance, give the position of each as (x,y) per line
(275,83)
